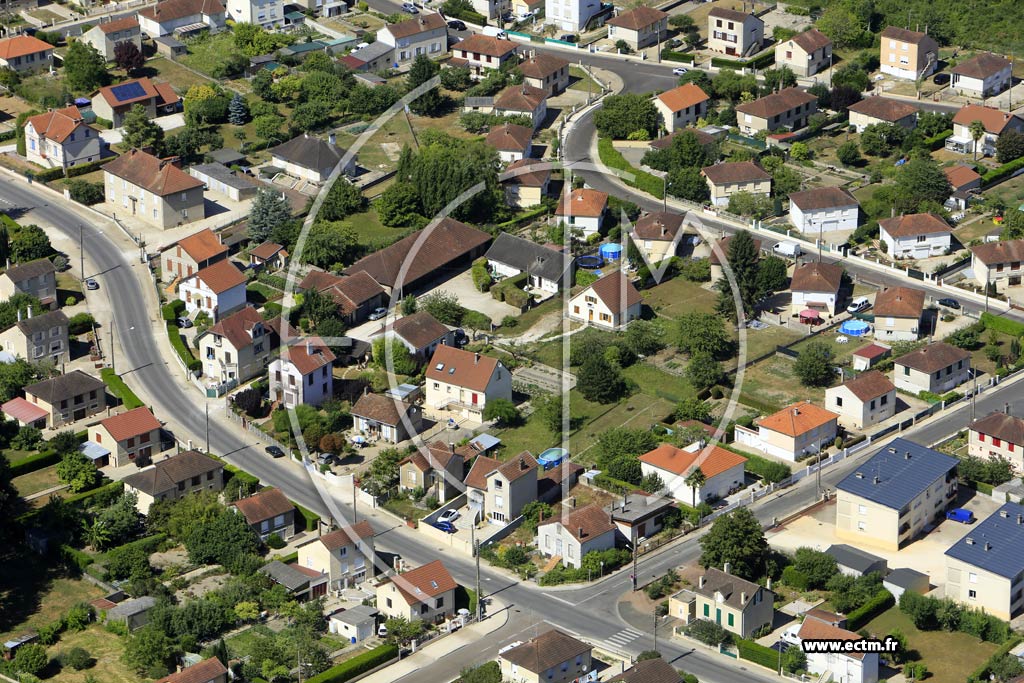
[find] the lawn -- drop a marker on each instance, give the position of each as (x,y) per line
(180,77)
(677,296)
(1010,191)
(205,53)
(773,381)
(382,150)
(527,320)
(531,436)
(106,650)
(33,593)
(42,86)
(405,509)
(950,657)
(760,342)
(371,231)
(978,358)
(37,481)
(975,229)
(579,80)
(841,353)
(641,410)
(260,293)
(14,455)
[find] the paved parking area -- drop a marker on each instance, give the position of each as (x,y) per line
(469,296)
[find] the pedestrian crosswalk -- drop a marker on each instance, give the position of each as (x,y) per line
(624,637)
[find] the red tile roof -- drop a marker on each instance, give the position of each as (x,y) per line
(959,176)
(379,408)
(811,40)
(541,65)
(730,14)
(683,96)
(933,357)
(586,523)
(421,24)
(815,629)
(638,18)
(266,250)
(616,291)
(482,466)
(264,505)
(735,172)
(869,385)
(462,368)
(148,92)
(583,202)
(486,45)
(712,461)
(132,423)
(221,276)
(347,535)
(159,176)
(798,418)
(1003,251)
(817,277)
(57,125)
(419,329)
(519,466)
(883,109)
(202,246)
(21,410)
(205,671)
(510,138)
(658,226)
(426,581)
(520,98)
(914,224)
(237,327)
(1000,425)
(122,24)
(995,120)
(19,46)
(777,103)
(906,36)
(823,198)
(872,351)
(169,10)
(535,177)
(308,354)
(899,302)
(982,65)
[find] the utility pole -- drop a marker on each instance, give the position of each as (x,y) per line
(207,428)
(113,332)
(81,251)
(655,648)
(634,559)
(974,394)
(355,514)
(476,555)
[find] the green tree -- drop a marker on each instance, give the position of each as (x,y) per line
(456,78)
(206,104)
(623,115)
(736,538)
(688,183)
(749,204)
(695,479)
(268,210)
(702,333)
(402,360)
(29,243)
(879,139)
(444,306)
(268,126)
(85,69)
(309,116)
(238,110)
(743,259)
(848,153)
(31,659)
(1009,146)
(475,322)
(321,86)
(600,382)
(343,199)
(78,472)
(920,181)
(794,659)
(799,151)
(432,102)
(148,647)
(771,277)
(403,631)
(409,305)
(704,371)
(977,131)
(330,243)
(488,672)
(503,412)
(644,337)
(842,26)
(221,540)
(399,206)
(814,365)
(816,565)
(128,56)
(620,441)
(13,376)
(548,409)
(692,408)
(140,132)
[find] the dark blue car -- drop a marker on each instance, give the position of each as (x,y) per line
(446,527)
(960,515)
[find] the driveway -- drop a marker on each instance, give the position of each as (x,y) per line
(469,296)
(168,123)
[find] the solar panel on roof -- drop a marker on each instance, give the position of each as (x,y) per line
(128,91)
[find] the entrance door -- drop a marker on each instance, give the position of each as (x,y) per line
(475,397)
(79,414)
(591,316)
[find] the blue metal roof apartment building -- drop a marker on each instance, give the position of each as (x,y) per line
(985,568)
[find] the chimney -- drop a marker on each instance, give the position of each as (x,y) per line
(768,583)
(876,480)
(522,463)
(743,598)
(19,315)
(1005,514)
(727,568)
(309,348)
(1020,520)
(476,358)
(1006,408)
(907,456)
(796,411)
(305,135)
(580,529)
(331,139)
(366,390)
(451,446)
(29,312)
(988,546)
(700,584)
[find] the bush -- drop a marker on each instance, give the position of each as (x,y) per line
(882,601)
(793,577)
(184,353)
(35,462)
(981,674)
(1002,172)
(120,390)
(359,664)
(275,542)
(84,192)
(759,654)
(673,56)
(707,632)
(80,323)
(642,180)
(1004,325)
(172,310)
(77,658)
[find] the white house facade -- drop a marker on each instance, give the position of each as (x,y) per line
(826,209)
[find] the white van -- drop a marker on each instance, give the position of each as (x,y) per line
(788,249)
(859,304)
(494,32)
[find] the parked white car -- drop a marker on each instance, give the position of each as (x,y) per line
(449,515)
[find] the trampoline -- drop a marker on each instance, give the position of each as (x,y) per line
(855,328)
(589,262)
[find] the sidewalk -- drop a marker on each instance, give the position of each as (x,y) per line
(435,650)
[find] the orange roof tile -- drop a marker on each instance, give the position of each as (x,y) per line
(347,535)
(57,125)
(264,505)
(132,423)
(684,96)
(19,46)
(712,461)
(122,24)
(462,368)
(586,523)
(899,302)
(638,18)
(308,354)
(995,120)
(958,176)
(616,291)
(914,224)
(221,276)
(583,202)
(427,581)
(159,176)
(798,418)
(202,246)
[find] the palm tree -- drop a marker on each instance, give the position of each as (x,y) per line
(695,480)
(977,129)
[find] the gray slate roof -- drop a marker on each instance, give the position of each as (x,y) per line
(73,383)
(309,152)
(730,586)
(356,615)
(898,473)
(637,506)
(529,257)
(131,607)
(42,323)
(995,544)
(372,51)
(226,156)
(904,577)
(854,558)
(288,576)
(223,174)
(26,271)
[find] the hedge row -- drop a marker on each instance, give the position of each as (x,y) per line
(939,141)
(149,544)
(80,169)
(765,407)
(881,601)
(34,462)
(523,218)
(1002,172)
(612,484)
(981,674)
(758,654)
(251,481)
(673,56)
(119,389)
(760,62)
(360,664)
(1004,325)
(8,135)
(312,519)
(75,557)
(172,310)
(184,353)
(466,15)
(643,181)
(86,495)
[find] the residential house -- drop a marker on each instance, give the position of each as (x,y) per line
(866,357)
(216,290)
(985,568)
(816,286)
(373,58)
(425,34)
(894,495)
(610,303)
(130,436)
(737,34)
(38,338)
(426,593)
(573,16)
(998,263)
(25,53)
(222,180)
(995,121)
(964,181)
(460,384)
(705,139)
(909,55)
(357,295)
(302,373)
(386,418)
(36,278)
(681,106)
(238,347)
(526,183)
(269,255)
(843,667)
(492,9)
(936,368)
(482,54)
(175,477)
(865,400)
(823,209)
(269,512)
(546,269)
(569,536)
(638,515)
(805,53)
(522,100)
(207,671)
(311,158)
(153,190)
(191,254)
(421,334)
(657,235)
(639,27)
(107,35)
(728,178)
(267,14)
(723,471)
(113,102)
(545,71)
(439,471)
(855,562)
(655,670)
(513,142)
(68,398)
(997,435)
(133,612)
(583,209)
(916,235)
(898,313)
(345,555)
(24,413)
(498,492)
(182,18)
(415,261)
(60,138)
(737,605)
(355,624)
(787,109)
(552,657)
(301,583)
(983,75)
(872,111)
(796,431)
(721,252)
(520,7)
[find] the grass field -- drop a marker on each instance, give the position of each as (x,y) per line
(14,455)
(204,54)
(260,293)
(34,593)
(181,78)
(773,381)
(841,353)
(579,80)
(978,358)
(106,650)
(37,481)
(41,86)
(678,296)
(950,657)
(371,231)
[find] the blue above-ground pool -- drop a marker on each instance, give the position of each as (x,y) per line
(589,262)
(552,457)
(611,252)
(855,328)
